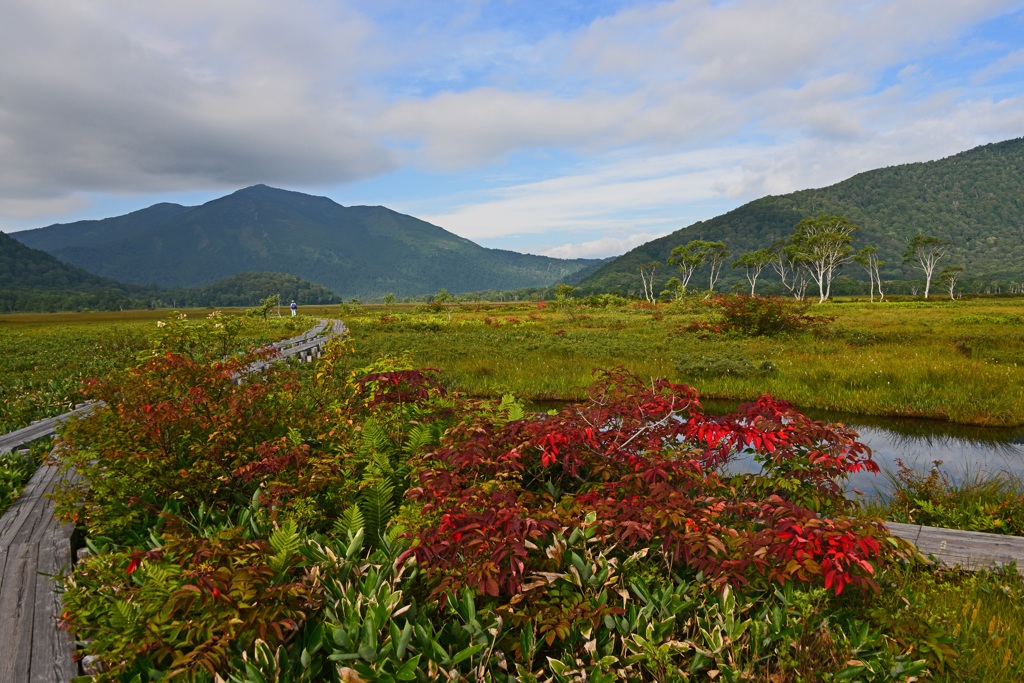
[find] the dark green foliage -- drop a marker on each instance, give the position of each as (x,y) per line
(251,289)
(972,199)
(722,365)
(32,280)
(360,251)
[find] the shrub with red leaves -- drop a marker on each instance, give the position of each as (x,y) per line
(647,460)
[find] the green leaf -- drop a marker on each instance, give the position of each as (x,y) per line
(407,672)
(403,641)
(465,654)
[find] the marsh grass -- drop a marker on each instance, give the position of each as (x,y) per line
(977,617)
(993,503)
(901,359)
(15,470)
(45,357)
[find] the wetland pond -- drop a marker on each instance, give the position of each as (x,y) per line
(965,451)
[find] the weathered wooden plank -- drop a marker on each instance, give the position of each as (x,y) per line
(52,657)
(966,549)
(17,609)
(309,334)
(32,513)
(40,429)
(3,567)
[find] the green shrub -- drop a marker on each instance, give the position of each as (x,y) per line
(723,365)
(754,316)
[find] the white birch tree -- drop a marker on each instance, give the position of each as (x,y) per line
(926,250)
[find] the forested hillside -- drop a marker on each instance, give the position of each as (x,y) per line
(974,199)
(358,251)
(32,280)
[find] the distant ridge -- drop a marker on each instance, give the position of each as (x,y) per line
(358,251)
(974,199)
(32,280)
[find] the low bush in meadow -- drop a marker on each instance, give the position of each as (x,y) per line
(755,316)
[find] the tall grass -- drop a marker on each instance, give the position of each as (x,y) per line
(993,503)
(957,361)
(974,620)
(45,357)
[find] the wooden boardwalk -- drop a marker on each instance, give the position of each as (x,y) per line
(965,549)
(35,547)
(40,429)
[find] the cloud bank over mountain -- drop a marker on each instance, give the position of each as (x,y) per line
(552,126)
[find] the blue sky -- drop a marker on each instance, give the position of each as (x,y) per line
(565,128)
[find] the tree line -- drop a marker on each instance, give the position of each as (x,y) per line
(815,253)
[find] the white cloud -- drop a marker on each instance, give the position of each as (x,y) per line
(105,97)
(675,109)
(600,248)
(32,208)
(1009,64)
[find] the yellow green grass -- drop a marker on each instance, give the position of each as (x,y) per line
(45,356)
(961,361)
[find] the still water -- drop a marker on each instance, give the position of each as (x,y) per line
(965,451)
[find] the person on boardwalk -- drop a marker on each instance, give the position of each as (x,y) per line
(294,308)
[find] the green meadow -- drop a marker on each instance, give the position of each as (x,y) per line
(961,361)
(44,357)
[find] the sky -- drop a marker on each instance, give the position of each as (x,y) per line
(577,128)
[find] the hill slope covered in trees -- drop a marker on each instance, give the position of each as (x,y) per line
(32,280)
(974,199)
(358,251)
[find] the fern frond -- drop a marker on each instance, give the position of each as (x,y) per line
(512,408)
(351,521)
(420,437)
(377,504)
(379,467)
(375,437)
(124,615)
(285,542)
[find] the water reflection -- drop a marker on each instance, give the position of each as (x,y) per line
(965,451)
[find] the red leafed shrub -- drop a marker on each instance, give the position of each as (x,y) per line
(646,459)
(400,386)
(177,430)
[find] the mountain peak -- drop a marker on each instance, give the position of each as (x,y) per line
(364,252)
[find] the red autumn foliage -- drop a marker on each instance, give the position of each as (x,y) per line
(400,386)
(646,460)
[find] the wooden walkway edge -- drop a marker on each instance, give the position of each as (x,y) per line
(968,550)
(34,547)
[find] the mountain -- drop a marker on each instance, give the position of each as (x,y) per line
(357,251)
(32,280)
(974,200)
